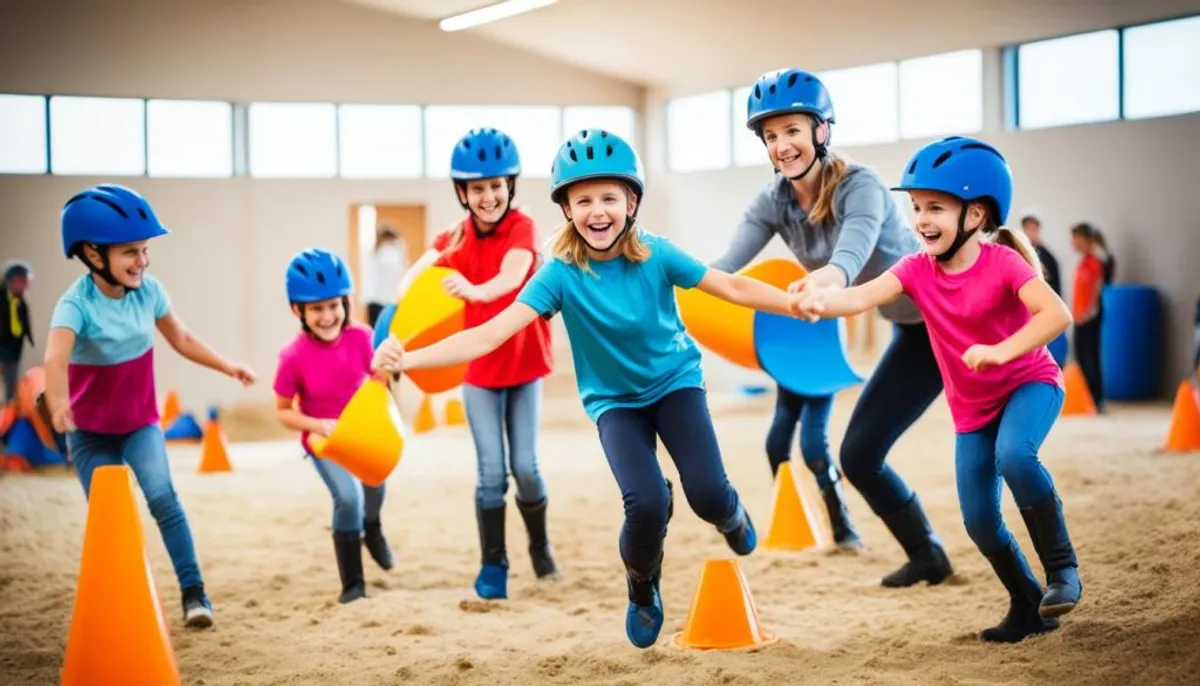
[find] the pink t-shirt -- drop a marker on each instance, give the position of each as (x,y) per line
(324,375)
(977,306)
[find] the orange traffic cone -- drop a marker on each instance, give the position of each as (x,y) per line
(424,421)
(214,454)
(722,616)
(455,416)
(1184,433)
(1078,400)
(794,526)
(118,633)
(170,409)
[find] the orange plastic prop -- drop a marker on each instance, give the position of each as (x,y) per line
(368,437)
(214,451)
(31,384)
(425,315)
(1078,399)
(118,634)
(171,409)
(722,616)
(794,525)
(1184,433)
(455,416)
(424,421)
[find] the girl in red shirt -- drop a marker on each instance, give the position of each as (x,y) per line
(494,250)
(1091,275)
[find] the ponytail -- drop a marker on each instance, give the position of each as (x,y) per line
(833,171)
(1012,239)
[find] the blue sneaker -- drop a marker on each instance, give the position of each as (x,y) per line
(644,617)
(197,610)
(492,582)
(739,532)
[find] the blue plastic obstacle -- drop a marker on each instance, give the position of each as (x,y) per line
(1058,349)
(184,428)
(1131,342)
(807,358)
(22,440)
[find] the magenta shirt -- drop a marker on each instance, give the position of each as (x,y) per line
(979,305)
(324,375)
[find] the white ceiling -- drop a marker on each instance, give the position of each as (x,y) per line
(690,45)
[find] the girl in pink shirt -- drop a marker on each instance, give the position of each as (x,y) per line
(990,316)
(322,368)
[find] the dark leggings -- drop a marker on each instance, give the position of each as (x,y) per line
(373,312)
(906,381)
(812,414)
(628,435)
(1087,353)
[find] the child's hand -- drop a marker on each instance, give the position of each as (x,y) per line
(809,305)
(63,420)
(979,357)
(389,357)
(324,427)
(458,286)
(798,286)
(242,373)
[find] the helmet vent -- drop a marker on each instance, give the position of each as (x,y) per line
(300,268)
(604,134)
(912,167)
(792,80)
(981,146)
(321,278)
(497,152)
(142,214)
(757,91)
(574,157)
(482,155)
(941,159)
(608,152)
(467,143)
(771,90)
(591,154)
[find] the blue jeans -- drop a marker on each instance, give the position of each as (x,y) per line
(497,413)
(905,383)
(1008,448)
(353,502)
(812,414)
(145,452)
(628,435)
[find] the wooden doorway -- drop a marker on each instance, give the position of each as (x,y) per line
(366,220)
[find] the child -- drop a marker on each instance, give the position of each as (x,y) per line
(990,317)
(494,250)
(637,369)
(1090,278)
(322,368)
(16,329)
(100,364)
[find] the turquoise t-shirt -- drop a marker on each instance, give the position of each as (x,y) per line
(628,342)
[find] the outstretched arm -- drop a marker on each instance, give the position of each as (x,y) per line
(742,290)
(191,347)
(473,343)
(834,301)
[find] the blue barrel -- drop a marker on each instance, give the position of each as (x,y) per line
(1058,349)
(1131,342)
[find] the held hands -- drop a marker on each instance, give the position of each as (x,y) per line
(458,286)
(979,357)
(388,358)
(808,304)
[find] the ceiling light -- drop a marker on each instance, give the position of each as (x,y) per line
(484,15)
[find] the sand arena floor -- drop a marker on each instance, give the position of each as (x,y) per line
(263,538)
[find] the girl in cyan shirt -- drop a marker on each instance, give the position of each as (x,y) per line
(322,368)
(637,369)
(100,364)
(990,316)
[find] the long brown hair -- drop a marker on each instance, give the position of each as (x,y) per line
(833,172)
(1013,239)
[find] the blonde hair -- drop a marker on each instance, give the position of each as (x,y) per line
(1012,239)
(833,172)
(568,246)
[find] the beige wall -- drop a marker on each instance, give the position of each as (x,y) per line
(1135,180)
(223,265)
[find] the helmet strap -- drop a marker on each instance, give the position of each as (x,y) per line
(820,152)
(512,194)
(960,238)
(630,220)
(104,271)
(345,318)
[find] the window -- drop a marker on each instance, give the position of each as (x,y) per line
(698,132)
(618,120)
(1162,68)
(536,130)
(293,140)
(1072,80)
(22,134)
(864,104)
(748,148)
(380,141)
(189,138)
(941,94)
(97,136)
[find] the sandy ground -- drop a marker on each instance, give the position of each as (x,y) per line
(263,538)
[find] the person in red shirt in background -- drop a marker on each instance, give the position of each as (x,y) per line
(494,250)
(1091,275)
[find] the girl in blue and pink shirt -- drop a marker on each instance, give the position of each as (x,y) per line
(318,372)
(990,317)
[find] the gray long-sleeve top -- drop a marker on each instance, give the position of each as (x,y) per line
(865,237)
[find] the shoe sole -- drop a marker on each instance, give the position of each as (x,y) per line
(1050,611)
(200,620)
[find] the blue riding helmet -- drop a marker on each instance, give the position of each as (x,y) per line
(484,154)
(965,168)
(315,275)
(595,154)
(787,91)
(107,214)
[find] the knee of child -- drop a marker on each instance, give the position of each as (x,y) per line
(814,448)
(1014,457)
(162,500)
(983,527)
(861,459)
(648,507)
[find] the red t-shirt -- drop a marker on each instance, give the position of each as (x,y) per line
(526,356)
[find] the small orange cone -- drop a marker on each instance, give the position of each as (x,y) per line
(722,616)
(1184,433)
(1078,400)
(794,526)
(118,634)
(424,421)
(170,409)
(214,453)
(455,416)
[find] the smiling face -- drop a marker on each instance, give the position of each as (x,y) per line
(599,210)
(789,141)
(937,216)
(486,198)
(126,261)
(324,318)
